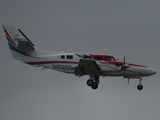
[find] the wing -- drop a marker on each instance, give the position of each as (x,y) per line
(86,67)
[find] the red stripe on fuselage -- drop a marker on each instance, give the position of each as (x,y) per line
(113,63)
(137,65)
(121,63)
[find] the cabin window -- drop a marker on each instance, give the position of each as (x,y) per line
(62,56)
(108,58)
(98,58)
(69,56)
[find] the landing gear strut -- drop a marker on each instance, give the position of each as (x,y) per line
(140,86)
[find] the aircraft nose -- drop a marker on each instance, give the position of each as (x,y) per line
(152,71)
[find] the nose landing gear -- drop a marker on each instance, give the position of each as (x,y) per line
(140,86)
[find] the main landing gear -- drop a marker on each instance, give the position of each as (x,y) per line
(92,84)
(93,81)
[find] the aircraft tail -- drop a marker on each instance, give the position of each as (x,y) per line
(20,45)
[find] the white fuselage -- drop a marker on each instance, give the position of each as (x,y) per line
(66,62)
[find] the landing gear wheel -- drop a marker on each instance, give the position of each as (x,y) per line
(90,82)
(140,87)
(94,86)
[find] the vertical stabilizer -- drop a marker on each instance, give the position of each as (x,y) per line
(18,43)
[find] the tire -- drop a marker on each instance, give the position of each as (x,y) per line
(94,86)
(90,82)
(140,87)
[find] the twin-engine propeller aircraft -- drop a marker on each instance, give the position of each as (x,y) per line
(93,65)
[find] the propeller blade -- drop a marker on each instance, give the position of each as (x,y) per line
(124,61)
(124,70)
(128,81)
(124,67)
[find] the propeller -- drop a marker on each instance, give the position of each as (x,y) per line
(128,81)
(124,67)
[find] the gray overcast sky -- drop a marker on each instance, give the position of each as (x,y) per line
(115,27)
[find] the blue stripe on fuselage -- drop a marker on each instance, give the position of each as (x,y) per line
(12,47)
(79,55)
(15,49)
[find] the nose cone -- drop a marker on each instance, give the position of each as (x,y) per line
(152,71)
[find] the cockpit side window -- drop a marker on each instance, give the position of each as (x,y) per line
(109,58)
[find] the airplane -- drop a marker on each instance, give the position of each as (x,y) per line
(79,64)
